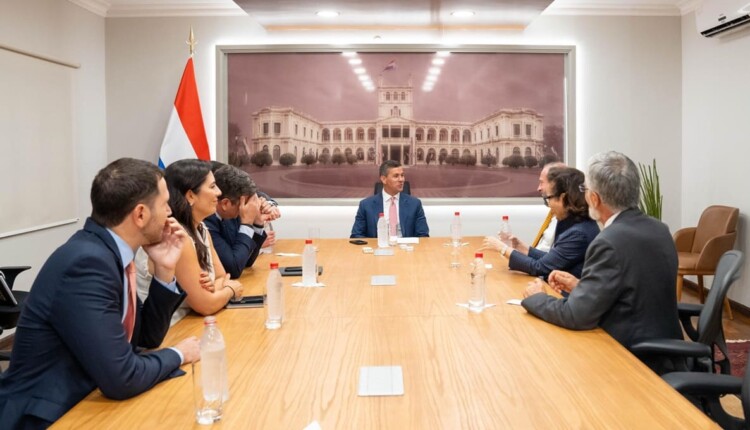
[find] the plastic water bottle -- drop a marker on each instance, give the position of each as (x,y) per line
(213,376)
(268,227)
(456,229)
(309,264)
(382,231)
(274,298)
(505,231)
(477,299)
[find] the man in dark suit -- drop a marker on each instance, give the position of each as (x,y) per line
(237,226)
(628,282)
(82,327)
(407,209)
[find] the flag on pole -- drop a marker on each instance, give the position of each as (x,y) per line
(390,66)
(185,136)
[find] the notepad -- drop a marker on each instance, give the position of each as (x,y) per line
(379,280)
(383,251)
(407,240)
(381,381)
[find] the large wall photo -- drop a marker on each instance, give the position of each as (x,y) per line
(465,124)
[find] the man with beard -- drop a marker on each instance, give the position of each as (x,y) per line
(83,326)
(627,286)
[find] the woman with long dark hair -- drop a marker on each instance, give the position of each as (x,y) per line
(193,196)
(574,232)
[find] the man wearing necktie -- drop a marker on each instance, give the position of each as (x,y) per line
(83,327)
(401,210)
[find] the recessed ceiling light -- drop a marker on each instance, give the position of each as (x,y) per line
(434,70)
(438,61)
(443,54)
(427,89)
(431,78)
(355,61)
(327,13)
(359,70)
(463,13)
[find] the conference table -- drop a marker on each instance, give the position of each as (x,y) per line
(502,368)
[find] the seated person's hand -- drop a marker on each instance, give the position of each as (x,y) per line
(206,282)
(518,245)
(270,239)
(534,287)
(190,349)
(492,243)
(236,286)
(562,281)
(269,211)
(250,210)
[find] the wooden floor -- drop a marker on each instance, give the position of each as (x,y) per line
(734,329)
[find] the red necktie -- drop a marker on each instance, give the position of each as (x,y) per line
(393,217)
(129,321)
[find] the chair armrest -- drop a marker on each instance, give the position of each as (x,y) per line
(713,250)
(687,311)
(706,384)
(683,239)
(672,347)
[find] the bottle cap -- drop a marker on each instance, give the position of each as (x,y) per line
(308,241)
(380,215)
(209,320)
(505,217)
(274,265)
(457,213)
(479,255)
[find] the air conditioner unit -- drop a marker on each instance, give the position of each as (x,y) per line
(717,16)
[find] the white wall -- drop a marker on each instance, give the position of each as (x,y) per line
(715,117)
(59,29)
(628,93)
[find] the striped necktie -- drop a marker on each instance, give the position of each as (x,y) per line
(544,226)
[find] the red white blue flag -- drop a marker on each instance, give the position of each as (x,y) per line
(186,135)
(390,66)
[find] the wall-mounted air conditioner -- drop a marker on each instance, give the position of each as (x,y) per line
(717,16)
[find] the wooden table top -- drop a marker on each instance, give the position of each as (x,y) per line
(500,369)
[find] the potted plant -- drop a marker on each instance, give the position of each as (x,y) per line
(651,197)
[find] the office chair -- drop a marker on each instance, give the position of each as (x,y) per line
(705,390)
(699,248)
(698,354)
(9,313)
(379,188)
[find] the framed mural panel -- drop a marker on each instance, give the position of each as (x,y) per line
(469,123)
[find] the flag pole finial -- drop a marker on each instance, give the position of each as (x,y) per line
(191,41)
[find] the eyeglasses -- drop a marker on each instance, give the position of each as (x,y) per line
(582,188)
(545,199)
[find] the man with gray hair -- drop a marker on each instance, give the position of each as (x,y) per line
(628,282)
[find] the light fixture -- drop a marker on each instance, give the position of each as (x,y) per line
(438,61)
(349,54)
(363,78)
(355,61)
(360,70)
(431,78)
(463,13)
(327,13)
(443,54)
(434,70)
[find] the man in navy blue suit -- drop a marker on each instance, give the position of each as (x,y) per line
(407,209)
(82,327)
(237,226)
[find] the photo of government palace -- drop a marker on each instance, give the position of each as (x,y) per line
(395,134)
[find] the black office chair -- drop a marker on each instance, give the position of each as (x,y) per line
(698,355)
(9,312)
(379,188)
(706,389)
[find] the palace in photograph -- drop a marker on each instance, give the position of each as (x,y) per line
(395,134)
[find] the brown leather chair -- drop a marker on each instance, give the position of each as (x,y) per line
(699,248)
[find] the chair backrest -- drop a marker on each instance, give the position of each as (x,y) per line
(715,221)
(379,188)
(727,271)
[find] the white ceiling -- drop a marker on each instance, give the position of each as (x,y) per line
(295,14)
